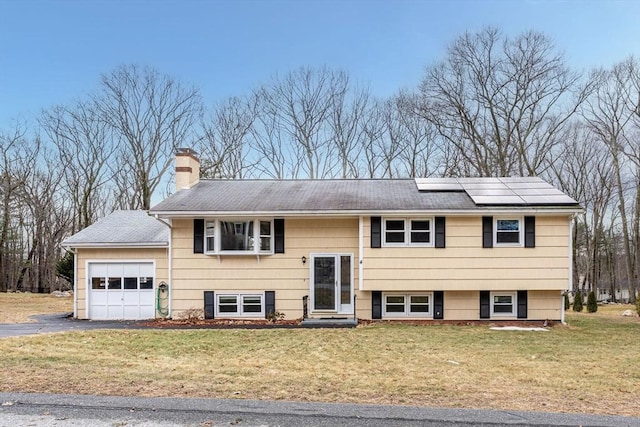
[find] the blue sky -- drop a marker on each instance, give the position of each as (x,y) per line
(54,51)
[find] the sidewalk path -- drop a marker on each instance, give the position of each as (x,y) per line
(50,410)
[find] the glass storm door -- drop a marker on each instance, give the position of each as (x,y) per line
(331,284)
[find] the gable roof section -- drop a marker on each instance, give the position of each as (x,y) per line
(122,228)
(341,196)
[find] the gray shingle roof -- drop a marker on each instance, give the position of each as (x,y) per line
(122,228)
(312,196)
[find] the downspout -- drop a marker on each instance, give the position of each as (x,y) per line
(360,253)
(169,264)
(570,282)
(75,282)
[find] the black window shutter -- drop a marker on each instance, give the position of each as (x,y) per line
(529,231)
(487,231)
(198,236)
(485,307)
(438,305)
(376,305)
(209,304)
(522,304)
(269,303)
(376,232)
(440,232)
(278,231)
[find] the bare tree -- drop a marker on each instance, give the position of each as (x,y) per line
(224,145)
(18,159)
(151,115)
(300,105)
(610,112)
(84,148)
(501,102)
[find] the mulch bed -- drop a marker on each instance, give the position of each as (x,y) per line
(297,323)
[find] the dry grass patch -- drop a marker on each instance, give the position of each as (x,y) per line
(590,366)
(17,307)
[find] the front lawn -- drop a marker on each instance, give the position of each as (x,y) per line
(17,307)
(590,366)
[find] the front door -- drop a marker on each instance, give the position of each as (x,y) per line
(331,283)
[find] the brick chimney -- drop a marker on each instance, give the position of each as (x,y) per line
(187,168)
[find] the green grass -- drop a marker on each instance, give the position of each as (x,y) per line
(590,366)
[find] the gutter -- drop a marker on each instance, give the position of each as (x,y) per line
(351,213)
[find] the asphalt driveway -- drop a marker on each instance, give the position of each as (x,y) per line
(60,322)
(105,411)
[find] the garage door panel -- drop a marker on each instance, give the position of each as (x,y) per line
(123,297)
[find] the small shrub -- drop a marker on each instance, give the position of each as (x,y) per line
(192,314)
(567,304)
(638,305)
(592,302)
(577,302)
(274,316)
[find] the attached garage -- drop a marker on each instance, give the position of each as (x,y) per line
(121,263)
(121,290)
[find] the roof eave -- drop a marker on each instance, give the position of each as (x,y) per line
(568,210)
(89,245)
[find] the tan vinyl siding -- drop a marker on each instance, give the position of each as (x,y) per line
(544,305)
(159,255)
(283,273)
(465,265)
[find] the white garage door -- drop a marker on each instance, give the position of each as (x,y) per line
(121,291)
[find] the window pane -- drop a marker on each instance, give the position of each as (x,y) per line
(265,243)
(392,308)
(146,283)
(420,225)
(503,308)
(395,299)
(422,299)
(131,283)
(508,225)
(231,308)
(397,225)
(419,308)
(265,228)
(420,237)
(394,237)
(227,299)
(236,236)
(251,308)
(502,299)
(115,283)
(508,237)
(211,244)
(211,228)
(252,299)
(98,282)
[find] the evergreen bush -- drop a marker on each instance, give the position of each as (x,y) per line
(577,302)
(592,302)
(638,305)
(567,304)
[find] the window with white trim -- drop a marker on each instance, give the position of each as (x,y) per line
(503,303)
(407,305)
(239,305)
(407,232)
(229,236)
(508,232)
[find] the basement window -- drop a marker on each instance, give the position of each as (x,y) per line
(239,305)
(407,305)
(503,304)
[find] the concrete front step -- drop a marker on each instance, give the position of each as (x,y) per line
(330,322)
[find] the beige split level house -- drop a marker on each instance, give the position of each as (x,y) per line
(444,248)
